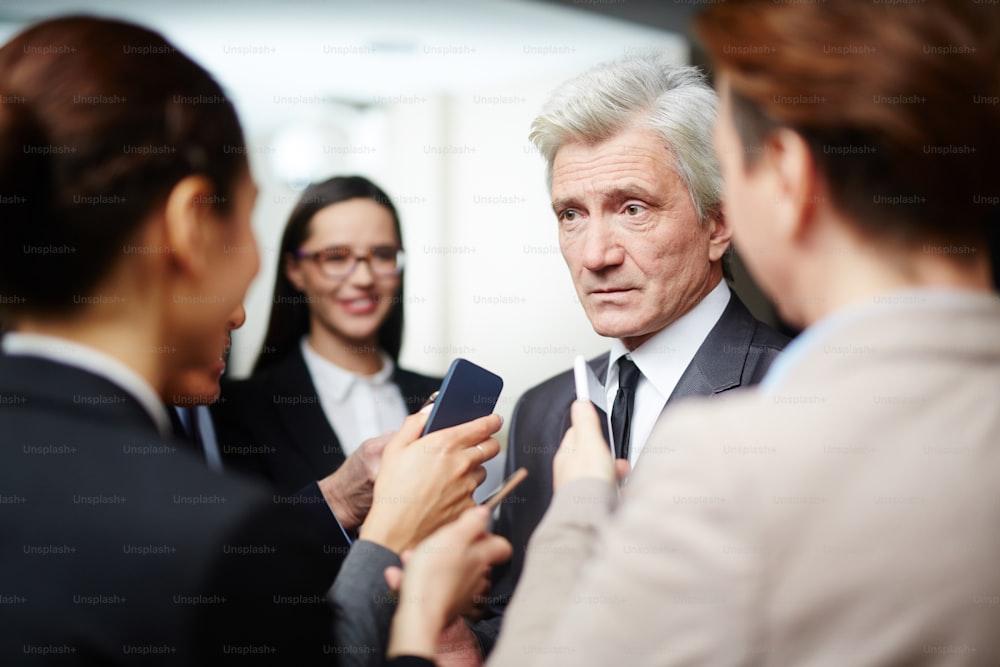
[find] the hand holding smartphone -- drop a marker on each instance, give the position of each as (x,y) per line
(468,392)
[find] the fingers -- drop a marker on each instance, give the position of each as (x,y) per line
(459,529)
(472,523)
(394,578)
(584,416)
(569,440)
(377,444)
(491,550)
(470,433)
(411,429)
(479,475)
(473,479)
(622,469)
(483,451)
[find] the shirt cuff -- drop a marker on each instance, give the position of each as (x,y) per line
(312,499)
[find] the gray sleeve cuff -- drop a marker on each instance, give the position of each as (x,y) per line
(363,605)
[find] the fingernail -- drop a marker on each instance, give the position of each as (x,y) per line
(501,420)
(426,410)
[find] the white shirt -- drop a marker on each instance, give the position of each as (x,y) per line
(358,407)
(94,361)
(662,361)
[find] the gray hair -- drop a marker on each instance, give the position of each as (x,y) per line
(639,90)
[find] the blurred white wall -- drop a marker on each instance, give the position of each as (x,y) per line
(433,101)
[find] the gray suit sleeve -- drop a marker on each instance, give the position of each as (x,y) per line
(363,605)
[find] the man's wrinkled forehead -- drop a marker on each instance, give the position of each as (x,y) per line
(618,168)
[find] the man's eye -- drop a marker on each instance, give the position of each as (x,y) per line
(569,215)
(633,209)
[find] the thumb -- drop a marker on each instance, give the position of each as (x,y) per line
(394,578)
(492,551)
(411,429)
(472,523)
(379,442)
(584,416)
(622,469)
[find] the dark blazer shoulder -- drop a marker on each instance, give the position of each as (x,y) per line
(765,346)
(152,491)
(563,384)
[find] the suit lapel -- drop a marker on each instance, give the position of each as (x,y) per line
(305,422)
(718,363)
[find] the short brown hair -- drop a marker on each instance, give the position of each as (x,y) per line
(898,102)
(99,119)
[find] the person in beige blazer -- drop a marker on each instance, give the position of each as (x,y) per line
(847,511)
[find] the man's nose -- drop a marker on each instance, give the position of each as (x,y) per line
(601,248)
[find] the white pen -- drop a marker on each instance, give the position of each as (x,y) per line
(580,374)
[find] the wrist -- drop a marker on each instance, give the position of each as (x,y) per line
(338,505)
(374,529)
(414,630)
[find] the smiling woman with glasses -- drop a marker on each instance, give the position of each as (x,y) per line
(327,376)
(338,262)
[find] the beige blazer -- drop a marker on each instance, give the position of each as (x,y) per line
(847,514)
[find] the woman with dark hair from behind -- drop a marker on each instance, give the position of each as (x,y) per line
(327,378)
(116,543)
(112,262)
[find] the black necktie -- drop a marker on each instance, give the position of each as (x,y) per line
(621,412)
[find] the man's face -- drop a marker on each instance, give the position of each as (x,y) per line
(628,230)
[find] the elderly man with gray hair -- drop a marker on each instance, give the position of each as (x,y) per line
(635,188)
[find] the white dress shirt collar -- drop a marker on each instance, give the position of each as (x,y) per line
(337,382)
(663,358)
(84,357)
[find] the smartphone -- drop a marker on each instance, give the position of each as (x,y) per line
(468,392)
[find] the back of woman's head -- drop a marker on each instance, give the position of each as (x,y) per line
(899,102)
(99,119)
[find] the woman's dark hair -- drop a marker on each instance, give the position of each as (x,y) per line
(99,120)
(289,320)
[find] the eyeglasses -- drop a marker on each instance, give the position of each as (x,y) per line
(339,261)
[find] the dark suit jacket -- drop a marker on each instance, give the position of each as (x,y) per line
(272,425)
(737,352)
(117,546)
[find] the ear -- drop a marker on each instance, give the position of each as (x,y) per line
(293,270)
(720,235)
(796,181)
(185,216)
